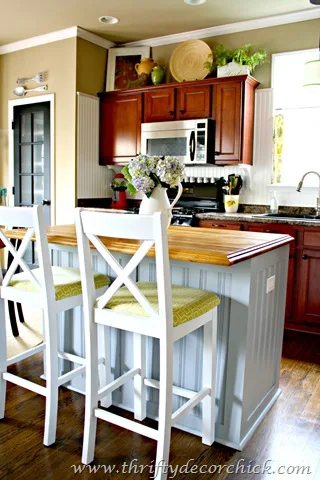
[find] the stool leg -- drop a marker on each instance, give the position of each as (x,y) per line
(105,368)
(51,371)
(209,379)
(12,318)
(165,409)
(91,402)
(3,357)
(20,313)
(140,390)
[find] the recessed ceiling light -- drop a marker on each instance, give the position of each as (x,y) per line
(194,2)
(108,20)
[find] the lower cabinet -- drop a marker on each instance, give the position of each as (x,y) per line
(222,225)
(307,287)
(303,285)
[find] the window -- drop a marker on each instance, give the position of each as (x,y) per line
(296,146)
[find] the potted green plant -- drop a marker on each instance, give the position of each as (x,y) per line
(240,61)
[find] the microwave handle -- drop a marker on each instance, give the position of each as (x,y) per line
(192,145)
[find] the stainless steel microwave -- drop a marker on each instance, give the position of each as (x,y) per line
(192,141)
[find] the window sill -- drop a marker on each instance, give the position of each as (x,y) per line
(284,187)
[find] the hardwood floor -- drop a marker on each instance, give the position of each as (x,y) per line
(288,437)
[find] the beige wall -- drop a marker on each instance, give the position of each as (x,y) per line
(285,38)
(91,67)
(77,65)
(59,60)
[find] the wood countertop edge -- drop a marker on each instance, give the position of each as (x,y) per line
(215,257)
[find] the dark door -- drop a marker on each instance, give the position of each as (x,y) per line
(32,156)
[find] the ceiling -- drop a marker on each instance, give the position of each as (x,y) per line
(140,19)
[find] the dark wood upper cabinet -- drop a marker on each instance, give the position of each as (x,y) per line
(227,108)
(193,102)
(177,103)
(229,101)
(159,105)
(120,127)
(234,114)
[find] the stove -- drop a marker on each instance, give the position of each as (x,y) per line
(184,214)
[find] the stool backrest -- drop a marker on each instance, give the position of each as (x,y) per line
(151,230)
(32,220)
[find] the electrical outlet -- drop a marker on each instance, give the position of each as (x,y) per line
(271,283)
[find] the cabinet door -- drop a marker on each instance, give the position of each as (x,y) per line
(308,289)
(211,223)
(159,105)
(120,126)
(193,102)
(227,113)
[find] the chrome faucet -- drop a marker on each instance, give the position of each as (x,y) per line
(300,185)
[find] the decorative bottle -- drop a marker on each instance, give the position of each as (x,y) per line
(274,203)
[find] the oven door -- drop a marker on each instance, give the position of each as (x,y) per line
(175,143)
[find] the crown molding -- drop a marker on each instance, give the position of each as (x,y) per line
(276,20)
(55,37)
(273,21)
(93,38)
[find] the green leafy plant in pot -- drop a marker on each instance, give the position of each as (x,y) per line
(222,56)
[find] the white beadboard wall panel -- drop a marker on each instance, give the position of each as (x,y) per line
(260,173)
(92,179)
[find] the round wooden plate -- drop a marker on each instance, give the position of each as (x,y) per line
(187,60)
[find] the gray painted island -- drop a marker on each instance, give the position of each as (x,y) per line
(248,271)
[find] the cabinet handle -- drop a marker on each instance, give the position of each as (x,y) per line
(170,112)
(304,257)
(181,111)
(219,226)
(217,154)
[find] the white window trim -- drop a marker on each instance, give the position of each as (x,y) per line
(274,55)
(280,186)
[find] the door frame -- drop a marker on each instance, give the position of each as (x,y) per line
(27,101)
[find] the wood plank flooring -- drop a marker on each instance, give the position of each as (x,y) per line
(288,437)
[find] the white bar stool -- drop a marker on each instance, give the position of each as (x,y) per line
(147,309)
(52,289)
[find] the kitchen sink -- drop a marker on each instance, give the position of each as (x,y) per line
(296,216)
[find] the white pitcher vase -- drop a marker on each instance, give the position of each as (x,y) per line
(159,202)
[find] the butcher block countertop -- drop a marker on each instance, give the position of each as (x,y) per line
(199,245)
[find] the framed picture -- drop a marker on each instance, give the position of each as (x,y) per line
(121,72)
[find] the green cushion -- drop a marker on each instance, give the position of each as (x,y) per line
(67,282)
(188,303)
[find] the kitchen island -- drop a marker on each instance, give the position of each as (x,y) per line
(248,271)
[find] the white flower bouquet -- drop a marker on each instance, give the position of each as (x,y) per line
(146,172)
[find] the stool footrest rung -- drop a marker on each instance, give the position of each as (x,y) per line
(70,375)
(26,354)
(189,405)
(118,382)
(126,423)
(72,358)
(182,392)
(22,382)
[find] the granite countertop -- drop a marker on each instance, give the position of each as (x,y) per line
(258,218)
